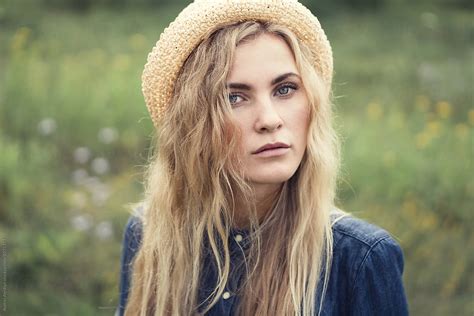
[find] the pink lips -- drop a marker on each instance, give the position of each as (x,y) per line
(272,149)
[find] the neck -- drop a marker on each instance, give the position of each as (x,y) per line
(264,198)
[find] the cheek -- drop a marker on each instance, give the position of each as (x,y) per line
(304,117)
(300,123)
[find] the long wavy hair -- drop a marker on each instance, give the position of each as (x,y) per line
(194,178)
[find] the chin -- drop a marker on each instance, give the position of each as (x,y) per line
(272,177)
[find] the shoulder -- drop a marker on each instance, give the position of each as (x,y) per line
(356,241)
(132,235)
(134,228)
(371,261)
(350,229)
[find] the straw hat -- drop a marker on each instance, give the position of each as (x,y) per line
(201,18)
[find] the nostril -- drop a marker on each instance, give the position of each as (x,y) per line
(270,128)
(269,123)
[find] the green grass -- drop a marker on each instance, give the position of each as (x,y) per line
(404,110)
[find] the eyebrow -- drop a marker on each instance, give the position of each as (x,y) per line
(283,77)
(243,86)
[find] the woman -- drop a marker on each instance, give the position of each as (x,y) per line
(238,217)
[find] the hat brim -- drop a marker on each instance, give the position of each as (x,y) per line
(203,17)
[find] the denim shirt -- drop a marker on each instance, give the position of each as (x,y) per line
(365,276)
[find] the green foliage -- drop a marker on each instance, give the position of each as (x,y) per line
(75,135)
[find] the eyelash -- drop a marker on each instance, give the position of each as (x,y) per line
(290,86)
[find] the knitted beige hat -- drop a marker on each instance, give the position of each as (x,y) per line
(201,18)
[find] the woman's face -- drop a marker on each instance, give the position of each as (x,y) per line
(270,106)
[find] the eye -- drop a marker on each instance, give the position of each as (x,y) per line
(286,89)
(235,98)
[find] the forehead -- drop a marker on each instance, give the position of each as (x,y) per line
(267,54)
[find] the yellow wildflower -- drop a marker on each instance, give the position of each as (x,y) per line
(422,140)
(20,38)
(374,111)
(409,208)
(443,109)
(429,222)
(433,128)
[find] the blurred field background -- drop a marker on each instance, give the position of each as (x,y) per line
(75,135)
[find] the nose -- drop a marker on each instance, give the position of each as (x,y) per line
(268,119)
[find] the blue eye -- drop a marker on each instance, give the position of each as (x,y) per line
(286,90)
(234,99)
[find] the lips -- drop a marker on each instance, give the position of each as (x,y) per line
(271,146)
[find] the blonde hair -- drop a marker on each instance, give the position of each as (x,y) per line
(192,183)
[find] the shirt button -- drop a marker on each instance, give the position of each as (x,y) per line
(226,295)
(238,238)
